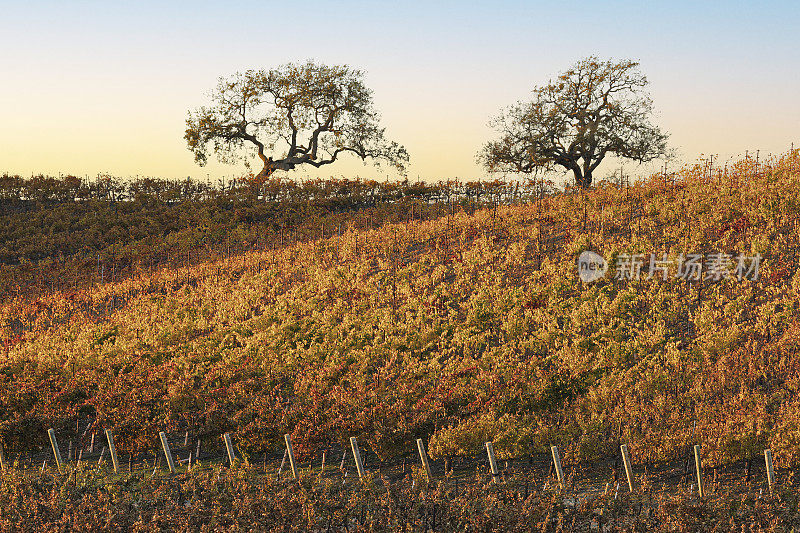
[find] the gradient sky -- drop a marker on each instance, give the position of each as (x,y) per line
(90,87)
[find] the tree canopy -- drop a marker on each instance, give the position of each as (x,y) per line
(293,115)
(593,110)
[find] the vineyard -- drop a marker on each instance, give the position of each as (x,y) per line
(457,326)
(62,234)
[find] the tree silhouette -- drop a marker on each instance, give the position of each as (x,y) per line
(594,109)
(293,115)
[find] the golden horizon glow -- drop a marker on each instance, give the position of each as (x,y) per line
(105,89)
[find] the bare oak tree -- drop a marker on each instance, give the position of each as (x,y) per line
(293,115)
(594,109)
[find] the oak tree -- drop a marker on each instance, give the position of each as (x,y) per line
(593,110)
(293,115)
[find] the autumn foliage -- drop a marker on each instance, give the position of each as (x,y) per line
(457,329)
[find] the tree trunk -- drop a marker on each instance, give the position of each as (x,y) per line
(271,165)
(584,180)
(267,171)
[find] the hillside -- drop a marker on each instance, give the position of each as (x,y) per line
(65,233)
(459,329)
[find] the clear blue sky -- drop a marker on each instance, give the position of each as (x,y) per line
(88,87)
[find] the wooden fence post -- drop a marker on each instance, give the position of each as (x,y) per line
(2,458)
(167,453)
(700,488)
(492,461)
(52,433)
(424,458)
(626,459)
(229,448)
(112,450)
(290,453)
(322,468)
(357,457)
(557,463)
(770,470)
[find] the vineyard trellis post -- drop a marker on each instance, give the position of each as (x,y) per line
(357,457)
(229,448)
(557,464)
(167,452)
(54,443)
(424,458)
(770,470)
(492,461)
(627,462)
(2,458)
(290,453)
(698,467)
(112,450)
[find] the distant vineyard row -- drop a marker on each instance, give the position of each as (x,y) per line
(60,233)
(43,191)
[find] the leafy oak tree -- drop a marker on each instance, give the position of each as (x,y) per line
(293,115)
(593,110)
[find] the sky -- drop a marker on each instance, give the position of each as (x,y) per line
(105,87)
